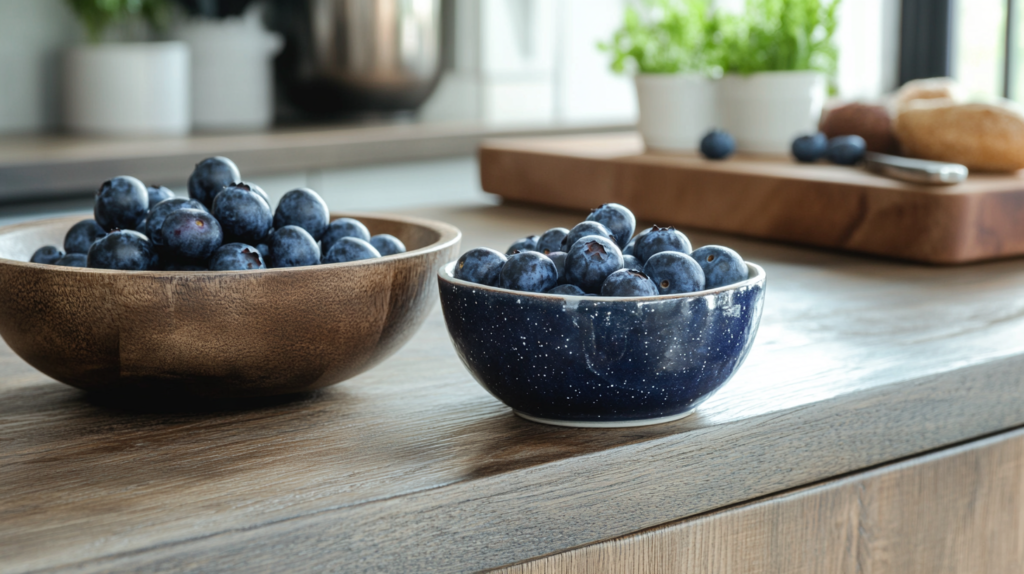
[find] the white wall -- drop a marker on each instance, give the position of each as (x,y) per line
(32,34)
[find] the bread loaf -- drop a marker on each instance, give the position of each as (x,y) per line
(983,137)
(927,89)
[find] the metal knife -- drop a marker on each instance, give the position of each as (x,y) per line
(915,170)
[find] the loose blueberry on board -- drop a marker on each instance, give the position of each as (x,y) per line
(191,234)
(811,148)
(846,150)
(567,289)
(558,257)
(674,272)
(480,265)
(236,257)
(387,244)
(717,145)
(660,239)
(159,212)
(211,176)
(619,220)
(244,216)
(523,245)
(350,249)
(585,229)
(630,262)
(73,260)
(628,283)
(48,254)
(82,235)
(304,208)
(590,261)
(158,193)
(125,250)
(121,203)
(550,241)
(343,227)
(722,266)
(293,246)
(528,271)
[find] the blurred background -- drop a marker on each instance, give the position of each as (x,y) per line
(376,103)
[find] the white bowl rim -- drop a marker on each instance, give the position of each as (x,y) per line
(756,276)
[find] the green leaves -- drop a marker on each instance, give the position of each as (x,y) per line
(98,15)
(667,36)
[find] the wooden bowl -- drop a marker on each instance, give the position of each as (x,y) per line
(217,334)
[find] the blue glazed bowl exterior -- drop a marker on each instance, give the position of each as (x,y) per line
(601,359)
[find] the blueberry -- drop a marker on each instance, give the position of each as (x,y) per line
(243,215)
(350,249)
(631,262)
(159,212)
(628,250)
(121,203)
(846,150)
(236,257)
(674,272)
(810,148)
(567,289)
(585,229)
(528,271)
(717,145)
(628,283)
(253,188)
(293,246)
(175,265)
(125,250)
(48,255)
(157,193)
(619,220)
(558,257)
(480,265)
(590,261)
(82,235)
(73,260)
(343,227)
(523,245)
(721,265)
(550,241)
(660,239)
(209,177)
(387,244)
(264,250)
(304,208)
(191,234)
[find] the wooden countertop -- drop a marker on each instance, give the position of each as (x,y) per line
(52,164)
(413,467)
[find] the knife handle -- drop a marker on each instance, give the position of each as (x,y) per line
(915,170)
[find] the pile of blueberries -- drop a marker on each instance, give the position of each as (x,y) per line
(842,150)
(225,224)
(600,256)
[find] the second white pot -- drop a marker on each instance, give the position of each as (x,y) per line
(766,111)
(676,110)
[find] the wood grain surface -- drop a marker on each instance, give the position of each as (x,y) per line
(413,467)
(765,197)
(955,511)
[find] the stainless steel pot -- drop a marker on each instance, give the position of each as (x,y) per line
(355,55)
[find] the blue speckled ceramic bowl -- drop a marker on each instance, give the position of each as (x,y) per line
(602,361)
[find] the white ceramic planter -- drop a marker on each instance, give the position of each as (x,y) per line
(232,72)
(764,112)
(676,110)
(134,88)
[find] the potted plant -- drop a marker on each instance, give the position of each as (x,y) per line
(664,42)
(120,82)
(777,57)
(232,64)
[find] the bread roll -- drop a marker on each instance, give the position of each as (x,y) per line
(927,89)
(983,137)
(869,122)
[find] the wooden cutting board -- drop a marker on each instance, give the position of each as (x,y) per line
(768,197)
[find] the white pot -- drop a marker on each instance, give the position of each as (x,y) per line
(676,110)
(133,88)
(766,111)
(232,72)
